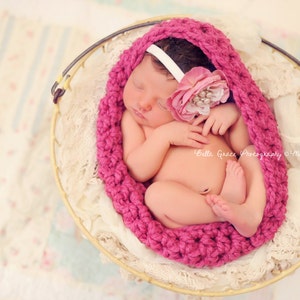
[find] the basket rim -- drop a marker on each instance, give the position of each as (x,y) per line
(64,78)
(56,90)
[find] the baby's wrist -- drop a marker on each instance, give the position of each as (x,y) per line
(161,135)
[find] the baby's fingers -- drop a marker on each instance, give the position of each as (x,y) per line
(209,123)
(219,128)
(222,130)
(200,119)
(198,138)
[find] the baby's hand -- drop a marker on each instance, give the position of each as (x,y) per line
(219,120)
(184,134)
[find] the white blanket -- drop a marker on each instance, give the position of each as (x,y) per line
(41,253)
(84,192)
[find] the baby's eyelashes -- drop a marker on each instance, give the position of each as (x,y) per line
(137,84)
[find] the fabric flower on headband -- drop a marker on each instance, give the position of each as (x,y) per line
(197,92)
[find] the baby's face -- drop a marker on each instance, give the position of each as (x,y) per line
(146,93)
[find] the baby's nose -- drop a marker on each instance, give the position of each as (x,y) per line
(146,104)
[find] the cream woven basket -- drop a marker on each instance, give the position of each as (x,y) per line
(77,93)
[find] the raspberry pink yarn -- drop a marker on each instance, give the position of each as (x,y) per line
(199,245)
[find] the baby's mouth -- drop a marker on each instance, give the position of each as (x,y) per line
(138,114)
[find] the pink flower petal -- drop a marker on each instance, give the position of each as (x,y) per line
(194,82)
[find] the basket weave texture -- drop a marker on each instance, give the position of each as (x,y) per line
(199,245)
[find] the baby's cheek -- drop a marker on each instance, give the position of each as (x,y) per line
(164,117)
(127,95)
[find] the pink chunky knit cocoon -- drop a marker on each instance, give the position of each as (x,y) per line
(199,245)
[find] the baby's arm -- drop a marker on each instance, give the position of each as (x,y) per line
(226,119)
(144,156)
(220,119)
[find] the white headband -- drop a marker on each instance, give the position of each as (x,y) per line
(167,61)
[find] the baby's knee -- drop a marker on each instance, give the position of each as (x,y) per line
(249,149)
(152,196)
(158,199)
(248,154)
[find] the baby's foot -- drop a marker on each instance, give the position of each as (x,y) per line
(236,214)
(234,186)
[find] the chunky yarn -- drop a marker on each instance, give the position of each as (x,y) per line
(205,245)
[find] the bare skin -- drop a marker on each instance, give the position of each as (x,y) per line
(190,202)
(245,217)
(237,215)
(189,189)
(234,186)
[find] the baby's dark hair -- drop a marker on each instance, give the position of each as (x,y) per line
(185,54)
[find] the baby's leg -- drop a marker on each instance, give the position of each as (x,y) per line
(236,214)
(247,216)
(174,205)
(256,190)
(239,136)
(234,186)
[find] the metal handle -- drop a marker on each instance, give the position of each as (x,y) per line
(62,83)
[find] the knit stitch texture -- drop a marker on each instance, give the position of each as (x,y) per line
(207,245)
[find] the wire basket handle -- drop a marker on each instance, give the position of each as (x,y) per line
(63,82)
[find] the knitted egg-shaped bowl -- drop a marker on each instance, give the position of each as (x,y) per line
(75,158)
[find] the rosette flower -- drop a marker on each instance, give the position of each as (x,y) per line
(197,92)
